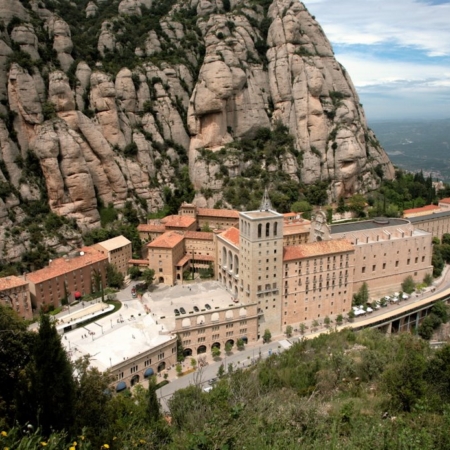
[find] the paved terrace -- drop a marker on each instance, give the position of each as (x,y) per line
(116,337)
(89,310)
(163,300)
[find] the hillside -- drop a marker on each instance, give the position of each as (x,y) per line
(341,390)
(141,105)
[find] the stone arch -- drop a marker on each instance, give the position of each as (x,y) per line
(259,230)
(201,349)
(215,317)
(161,280)
(161,366)
(134,380)
(229,315)
(201,320)
(236,264)
(230,341)
(216,344)
(186,322)
(267,229)
(242,312)
(275,229)
(187,352)
(224,256)
(230,260)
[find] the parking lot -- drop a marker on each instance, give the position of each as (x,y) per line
(162,301)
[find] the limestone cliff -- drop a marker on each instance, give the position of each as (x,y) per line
(134,102)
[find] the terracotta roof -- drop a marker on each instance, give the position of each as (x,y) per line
(189,257)
(65,265)
(317,249)
(231,235)
(229,213)
(114,243)
(206,236)
(10,282)
(445,200)
(138,261)
(169,239)
(422,209)
(178,221)
(295,228)
(149,227)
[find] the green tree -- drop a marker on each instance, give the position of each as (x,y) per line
(240,344)
(339,319)
(302,328)
(404,380)
(221,371)
(351,315)
(153,407)
(228,347)
(267,336)
(408,285)
(113,277)
(301,206)
(357,204)
(91,400)
(193,363)
(315,324)
(327,321)
(428,279)
(446,238)
(289,331)
(148,275)
(134,272)
(16,344)
(215,352)
(51,394)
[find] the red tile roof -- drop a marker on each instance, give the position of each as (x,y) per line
(65,265)
(203,235)
(10,282)
(228,213)
(444,200)
(138,261)
(422,209)
(231,235)
(317,249)
(189,257)
(295,228)
(149,227)
(178,221)
(169,239)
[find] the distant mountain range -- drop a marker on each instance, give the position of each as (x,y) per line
(417,145)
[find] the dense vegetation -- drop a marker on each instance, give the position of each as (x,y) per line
(342,390)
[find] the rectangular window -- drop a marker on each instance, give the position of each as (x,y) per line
(363,270)
(229,333)
(396,263)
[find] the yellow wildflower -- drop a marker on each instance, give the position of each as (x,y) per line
(4,433)
(74,443)
(5,448)
(105,446)
(43,444)
(72,448)
(142,441)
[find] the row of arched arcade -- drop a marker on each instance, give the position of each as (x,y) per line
(203,348)
(122,385)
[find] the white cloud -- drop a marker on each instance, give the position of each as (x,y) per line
(396,52)
(399,22)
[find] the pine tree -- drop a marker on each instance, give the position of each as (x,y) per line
(153,410)
(52,386)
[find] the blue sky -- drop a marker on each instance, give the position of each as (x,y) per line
(397,53)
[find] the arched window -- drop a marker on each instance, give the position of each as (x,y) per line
(275,229)
(224,256)
(230,260)
(267,229)
(259,230)
(236,265)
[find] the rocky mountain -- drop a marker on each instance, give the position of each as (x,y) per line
(143,104)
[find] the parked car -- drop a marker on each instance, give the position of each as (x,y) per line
(182,310)
(405,296)
(196,309)
(212,381)
(207,306)
(369,309)
(176,311)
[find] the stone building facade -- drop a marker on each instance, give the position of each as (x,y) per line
(65,277)
(215,328)
(15,293)
(386,252)
(437,224)
(119,252)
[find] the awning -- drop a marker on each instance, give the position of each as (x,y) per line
(121,386)
(244,338)
(77,294)
(148,373)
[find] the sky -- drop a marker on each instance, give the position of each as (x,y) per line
(397,53)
